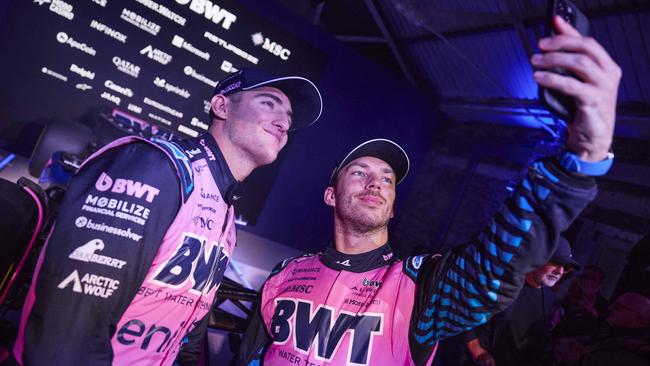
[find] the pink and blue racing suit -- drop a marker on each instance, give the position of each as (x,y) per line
(135,258)
(373,309)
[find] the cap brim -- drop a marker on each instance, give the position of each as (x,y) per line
(306,101)
(383,149)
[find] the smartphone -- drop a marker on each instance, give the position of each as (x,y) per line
(563,105)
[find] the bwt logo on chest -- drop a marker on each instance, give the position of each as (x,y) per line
(126,186)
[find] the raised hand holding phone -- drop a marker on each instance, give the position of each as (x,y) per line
(594,90)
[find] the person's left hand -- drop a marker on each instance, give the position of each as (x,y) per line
(595,92)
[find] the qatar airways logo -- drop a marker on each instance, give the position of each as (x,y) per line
(218,15)
(126,67)
(63,38)
(273,47)
(126,186)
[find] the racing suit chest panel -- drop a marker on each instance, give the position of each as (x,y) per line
(183,278)
(321,316)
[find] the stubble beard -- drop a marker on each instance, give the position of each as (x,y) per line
(359,222)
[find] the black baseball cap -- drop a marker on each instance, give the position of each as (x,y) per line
(563,255)
(305,98)
(383,149)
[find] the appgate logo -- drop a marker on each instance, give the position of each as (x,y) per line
(273,47)
(180,42)
(90,284)
(211,11)
(126,186)
(108,31)
(189,71)
(63,37)
(58,7)
(157,55)
(120,89)
(126,67)
(86,253)
(170,88)
(82,72)
(139,21)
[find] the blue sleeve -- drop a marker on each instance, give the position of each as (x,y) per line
(465,287)
(110,225)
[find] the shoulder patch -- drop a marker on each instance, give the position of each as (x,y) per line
(282,265)
(412,265)
(182,163)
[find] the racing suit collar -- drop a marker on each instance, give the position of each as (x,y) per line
(226,182)
(358,262)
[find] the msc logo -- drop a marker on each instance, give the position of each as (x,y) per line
(203,223)
(310,326)
(274,48)
(191,264)
(127,186)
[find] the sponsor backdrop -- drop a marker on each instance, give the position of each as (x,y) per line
(157,61)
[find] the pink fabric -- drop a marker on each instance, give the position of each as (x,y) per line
(385,293)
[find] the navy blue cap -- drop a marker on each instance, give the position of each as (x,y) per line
(386,150)
(306,101)
(563,254)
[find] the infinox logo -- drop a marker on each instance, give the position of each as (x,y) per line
(126,186)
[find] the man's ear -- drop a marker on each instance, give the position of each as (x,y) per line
(219,106)
(329,197)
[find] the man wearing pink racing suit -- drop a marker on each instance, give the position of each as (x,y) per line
(146,230)
(356,304)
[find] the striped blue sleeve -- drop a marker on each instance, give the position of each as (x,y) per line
(465,287)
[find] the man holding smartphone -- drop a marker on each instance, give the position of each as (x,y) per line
(357,304)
